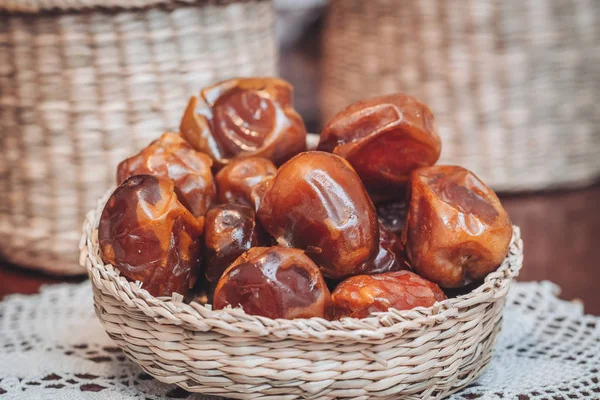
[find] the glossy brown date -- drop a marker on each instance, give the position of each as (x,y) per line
(230,230)
(237,179)
(274,282)
(246,117)
(172,157)
(456,231)
(257,194)
(196,130)
(148,235)
(316,202)
(384,139)
(362,295)
(390,255)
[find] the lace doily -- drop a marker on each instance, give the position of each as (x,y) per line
(52,346)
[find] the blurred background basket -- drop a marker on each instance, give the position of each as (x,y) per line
(87,83)
(514,84)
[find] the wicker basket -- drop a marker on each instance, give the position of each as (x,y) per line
(84,87)
(514,84)
(422,353)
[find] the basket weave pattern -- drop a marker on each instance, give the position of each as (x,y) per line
(36,6)
(514,84)
(421,353)
(80,91)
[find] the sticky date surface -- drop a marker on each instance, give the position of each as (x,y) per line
(274,282)
(362,295)
(246,117)
(230,230)
(384,139)
(316,202)
(457,230)
(147,234)
(390,254)
(237,179)
(172,157)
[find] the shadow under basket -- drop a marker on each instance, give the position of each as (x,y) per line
(420,353)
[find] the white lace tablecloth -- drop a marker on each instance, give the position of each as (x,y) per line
(52,346)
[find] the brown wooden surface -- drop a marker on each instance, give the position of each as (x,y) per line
(14,279)
(561,231)
(561,235)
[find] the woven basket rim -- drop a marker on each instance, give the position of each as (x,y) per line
(194,316)
(39,6)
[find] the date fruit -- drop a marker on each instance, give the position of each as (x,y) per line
(274,282)
(257,194)
(148,235)
(362,295)
(172,157)
(456,230)
(384,139)
(246,117)
(237,179)
(230,230)
(390,256)
(316,202)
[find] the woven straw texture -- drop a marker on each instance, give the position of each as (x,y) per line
(421,353)
(36,6)
(514,84)
(79,92)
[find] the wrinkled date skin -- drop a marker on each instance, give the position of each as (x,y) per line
(316,202)
(237,179)
(362,295)
(258,192)
(274,282)
(230,230)
(390,255)
(246,117)
(384,139)
(172,157)
(456,230)
(148,235)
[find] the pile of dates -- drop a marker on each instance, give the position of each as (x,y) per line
(235,207)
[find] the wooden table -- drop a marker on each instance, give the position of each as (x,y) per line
(561,232)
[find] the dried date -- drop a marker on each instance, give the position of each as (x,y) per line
(246,117)
(148,235)
(457,230)
(172,157)
(384,139)
(316,202)
(230,230)
(362,295)
(274,282)
(237,179)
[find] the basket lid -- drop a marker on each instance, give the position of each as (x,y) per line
(37,6)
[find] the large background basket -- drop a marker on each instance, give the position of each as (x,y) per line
(421,353)
(87,83)
(514,84)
